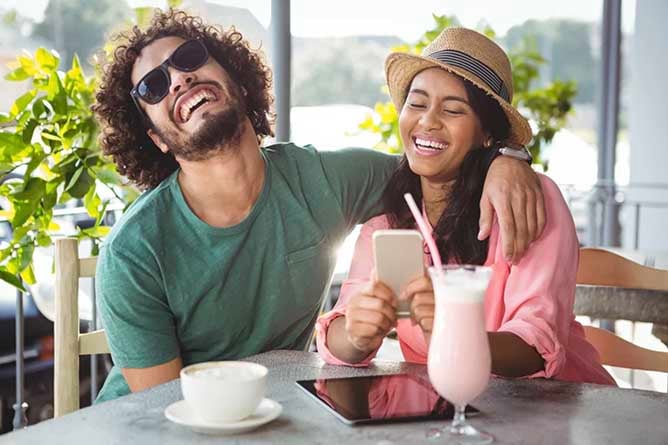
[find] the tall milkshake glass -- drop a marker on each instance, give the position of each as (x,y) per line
(459,360)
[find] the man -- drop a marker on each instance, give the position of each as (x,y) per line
(230,250)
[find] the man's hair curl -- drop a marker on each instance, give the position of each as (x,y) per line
(123,133)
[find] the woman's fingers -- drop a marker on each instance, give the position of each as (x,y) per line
(422,310)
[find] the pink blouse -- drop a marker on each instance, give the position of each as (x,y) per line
(533,299)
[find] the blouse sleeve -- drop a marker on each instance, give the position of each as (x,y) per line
(359,275)
(540,289)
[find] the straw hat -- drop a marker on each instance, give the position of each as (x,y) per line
(470,55)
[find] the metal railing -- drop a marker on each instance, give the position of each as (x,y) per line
(588,207)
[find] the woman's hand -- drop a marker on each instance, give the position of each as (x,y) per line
(421,294)
(370,315)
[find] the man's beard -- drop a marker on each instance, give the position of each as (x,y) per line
(219,131)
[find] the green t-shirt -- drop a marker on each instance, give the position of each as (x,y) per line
(168,284)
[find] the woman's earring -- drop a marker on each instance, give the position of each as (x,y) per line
(488,143)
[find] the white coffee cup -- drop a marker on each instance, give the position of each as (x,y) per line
(224,391)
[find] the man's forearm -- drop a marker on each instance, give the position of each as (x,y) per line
(139,379)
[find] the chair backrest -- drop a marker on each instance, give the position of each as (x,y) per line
(600,267)
(69,342)
(604,268)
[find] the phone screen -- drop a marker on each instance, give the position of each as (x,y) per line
(399,259)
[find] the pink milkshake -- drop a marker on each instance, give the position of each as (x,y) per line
(459,360)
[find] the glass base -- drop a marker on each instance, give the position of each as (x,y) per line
(466,434)
(461,434)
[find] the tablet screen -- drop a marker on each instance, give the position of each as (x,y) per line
(378,399)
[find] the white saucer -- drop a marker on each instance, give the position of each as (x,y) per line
(180,412)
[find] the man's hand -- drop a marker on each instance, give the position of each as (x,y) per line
(512,190)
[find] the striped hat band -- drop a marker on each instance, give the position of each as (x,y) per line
(473,66)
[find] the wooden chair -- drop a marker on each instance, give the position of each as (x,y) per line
(638,286)
(69,342)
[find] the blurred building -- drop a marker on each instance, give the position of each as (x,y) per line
(648,125)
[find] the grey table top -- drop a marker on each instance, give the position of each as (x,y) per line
(515,411)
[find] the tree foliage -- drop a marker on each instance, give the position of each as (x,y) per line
(49,153)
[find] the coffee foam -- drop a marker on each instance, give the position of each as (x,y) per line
(223,373)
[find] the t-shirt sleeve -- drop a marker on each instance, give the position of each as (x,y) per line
(358,178)
(137,319)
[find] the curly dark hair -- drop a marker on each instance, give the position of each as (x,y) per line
(123,133)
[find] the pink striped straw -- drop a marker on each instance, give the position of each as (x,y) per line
(435,256)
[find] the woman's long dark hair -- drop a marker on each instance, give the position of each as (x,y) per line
(456,232)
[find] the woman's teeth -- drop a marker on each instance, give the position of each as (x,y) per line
(427,145)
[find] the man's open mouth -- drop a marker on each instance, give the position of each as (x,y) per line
(188,106)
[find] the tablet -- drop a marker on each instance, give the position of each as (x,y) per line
(380,399)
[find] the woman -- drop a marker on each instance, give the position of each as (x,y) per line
(456,112)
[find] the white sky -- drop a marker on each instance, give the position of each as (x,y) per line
(332,18)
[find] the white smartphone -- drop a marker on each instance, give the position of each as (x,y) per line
(398,255)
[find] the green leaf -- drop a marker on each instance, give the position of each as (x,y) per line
(23,212)
(46,60)
(35,160)
(10,144)
(33,190)
(22,102)
(64,165)
(97,231)
(28,131)
(17,75)
(76,67)
(25,255)
(50,196)
(11,279)
(100,217)
(75,177)
(5,167)
(108,175)
(44,240)
(56,94)
(81,186)
(20,233)
(28,275)
(92,203)
(28,65)
(38,109)
(50,136)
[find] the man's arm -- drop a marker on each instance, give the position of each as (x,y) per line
(512,190)
(140,379)
(358,178)
(138,321)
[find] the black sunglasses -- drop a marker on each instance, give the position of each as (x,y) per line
(154,86)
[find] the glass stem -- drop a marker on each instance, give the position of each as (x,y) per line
(459,419)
